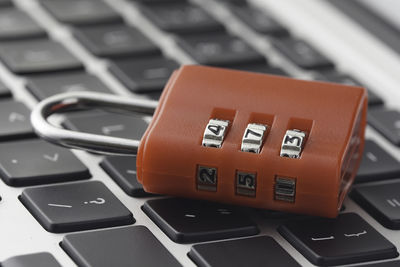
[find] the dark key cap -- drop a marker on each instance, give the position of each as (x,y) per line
(384,264)
(36,56)
(381,200)
(14,121)
(75,207)
(16,24)
(387,122)
(344,240)
(122,247)
(258,20)
(112,124)
(181,18)
(377,164)
(5,3)
(261,68)
(4,92)
(373,99)
(188,221)
(42,259)
(257,251)
(144,75)
(81,12)
(34,162)
(116,41)
(219,49)
(302,54)
(123,171)
(47,85)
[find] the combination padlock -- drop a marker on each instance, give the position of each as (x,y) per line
(242,138)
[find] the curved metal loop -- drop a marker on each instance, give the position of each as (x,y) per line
(90,142)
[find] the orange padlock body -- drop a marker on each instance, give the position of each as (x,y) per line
(332,115)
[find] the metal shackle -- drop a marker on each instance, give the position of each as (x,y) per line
(90,142)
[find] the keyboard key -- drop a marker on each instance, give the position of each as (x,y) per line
(116,41)
(47,85)
(257,251)
(112,124)
(381,201)
(302,54)
(258,20)
(219,49)
(387,122)
(5,3)
(261,68)
(14,121)
(4,92)
(373,99)
(189,221)
(157,1)
(33,162)
(81,12)
(181,18)
(16,24)
(42,259)
(145,74)
(75,207)
(344,240)
(122,247)
(123,171)
(36,56)
(377,164)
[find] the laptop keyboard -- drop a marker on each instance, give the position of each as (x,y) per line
(69,195)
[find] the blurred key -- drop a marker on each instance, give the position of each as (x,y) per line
(32,162)
(42,259)
(4,92)
(75,207)
(47,85)
(35,56)
(81,12)
(302,54)
(14,121)
(261,68)
(188,221)
(157,1)
(181,18)
(116,41)
(344,240)
(112,124)
(257,251)
(387,122)
(219,49)
(16,24)
(144,75)
(122,247)
(5,3)
(381,200)
(123,171)
(377,164)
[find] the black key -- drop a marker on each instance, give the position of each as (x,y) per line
(75,207)
(5,3)
(42,259)
(387,122)
(344,240)
(16,24)
(258,20)
(81,12)
(188,221)
(257,251)
(122,247)
(219,49)
(47,85)
(123,171)
(4,92)
(261,68)
(144,75)
(112,124)
(384,264)
(373,99)
(34,162)
(302,54)
(381,200)
(377,164)
(116,41)
(181,18)
(14,121)
(37,56)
